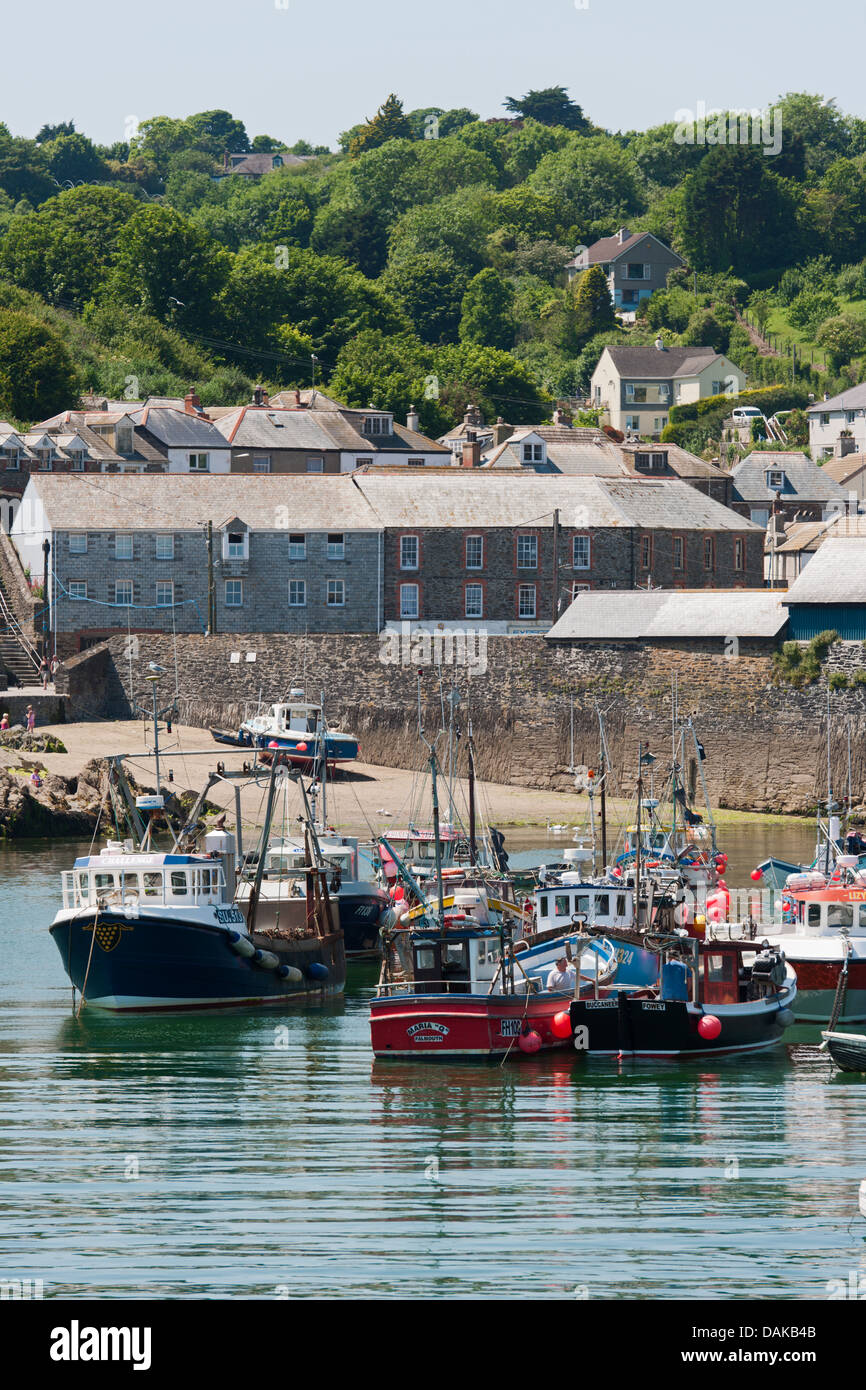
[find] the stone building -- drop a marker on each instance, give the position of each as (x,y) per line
(134,555)
(479,549)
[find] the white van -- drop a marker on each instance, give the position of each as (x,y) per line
(746,412)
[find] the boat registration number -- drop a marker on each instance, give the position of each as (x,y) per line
(656,1008)
(599,1003)
(509,1027)
(224,915)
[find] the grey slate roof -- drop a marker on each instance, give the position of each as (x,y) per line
(175,429)
(480,498)
(610,248)
(682,613)
(803,479)
(588,452)
(852,399)
(175,501)
(835,574)
(657,365)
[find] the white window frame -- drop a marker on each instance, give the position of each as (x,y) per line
(408,611)
(336,550)
(775,473)
(235,586)
(80,584)
(300,587)
(408,563)
(230,547)
(261,463)
(165,584)
(532,543)
(164,546)
(124,584)
(315,465)
(470,612)
(297,550)
(77,549)
(119,551)
(526,591)
(580,564)
(480,540)
(335,586)
(679,548)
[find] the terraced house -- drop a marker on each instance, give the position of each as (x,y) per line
(355,553)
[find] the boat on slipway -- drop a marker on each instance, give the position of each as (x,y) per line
(143,929)
(297,730)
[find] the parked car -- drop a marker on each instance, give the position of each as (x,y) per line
(746,412)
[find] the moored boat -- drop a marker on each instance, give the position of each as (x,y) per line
(848,1050)
(295,729)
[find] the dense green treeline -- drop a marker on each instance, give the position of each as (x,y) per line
(424,260)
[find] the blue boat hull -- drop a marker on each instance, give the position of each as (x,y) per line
(151,963)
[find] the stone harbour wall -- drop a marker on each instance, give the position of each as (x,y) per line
(764,741)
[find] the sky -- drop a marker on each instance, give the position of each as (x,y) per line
(309,69)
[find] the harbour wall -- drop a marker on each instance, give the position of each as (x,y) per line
(765,742)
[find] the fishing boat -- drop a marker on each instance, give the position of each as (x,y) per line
(709,999)
(848,1050)
(295,729)
(471,994)
(822,932)
(144,929)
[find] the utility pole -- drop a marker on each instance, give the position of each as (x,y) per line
(211,591)
(556,564)
(46,611)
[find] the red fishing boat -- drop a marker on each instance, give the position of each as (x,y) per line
(469,991)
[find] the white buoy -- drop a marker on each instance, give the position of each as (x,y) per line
(863,1198)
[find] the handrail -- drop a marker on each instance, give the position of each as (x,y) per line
(13,623)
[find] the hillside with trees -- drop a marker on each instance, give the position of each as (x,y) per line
(423,260)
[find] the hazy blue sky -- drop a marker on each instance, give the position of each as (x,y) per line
(317,66)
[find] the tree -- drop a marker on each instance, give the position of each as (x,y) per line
(389,123)
(37,377)
(708,328)
(588,310)
(487,311)
(549,106)
(74,158)
(67,248)
(23,169)
(837,210)
(736,213)
(842,338)
(497,382)
(168,267)
(816,126)
(358,235)
(456,226)
(51,132)
(429,287)
(592,177)
(391,373)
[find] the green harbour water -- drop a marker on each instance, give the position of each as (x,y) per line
(263,1155)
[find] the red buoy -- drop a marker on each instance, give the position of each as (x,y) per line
(301,747)
(560,1024)
(709,1027)
(529,1042)
(756,875)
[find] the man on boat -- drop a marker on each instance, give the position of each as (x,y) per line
(563,975)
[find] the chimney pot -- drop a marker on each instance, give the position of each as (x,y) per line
(412,419)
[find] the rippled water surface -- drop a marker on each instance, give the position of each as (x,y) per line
(252,1155)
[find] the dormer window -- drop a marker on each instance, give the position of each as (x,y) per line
(775,479)
(10,458)
(236,544)
(44,458)
(651,462)
(533,453)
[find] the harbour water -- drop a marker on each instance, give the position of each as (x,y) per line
(263,1155)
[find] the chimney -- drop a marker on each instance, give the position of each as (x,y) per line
(412,419)
(471,450)
(258,395)
(501,432)
(562,416)
(192,404)
(297,399)
(623,235)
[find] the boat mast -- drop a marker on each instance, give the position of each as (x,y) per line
(431,747)
(473,849)
(674,763)
(603,761)
(829,788)
(637,856)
